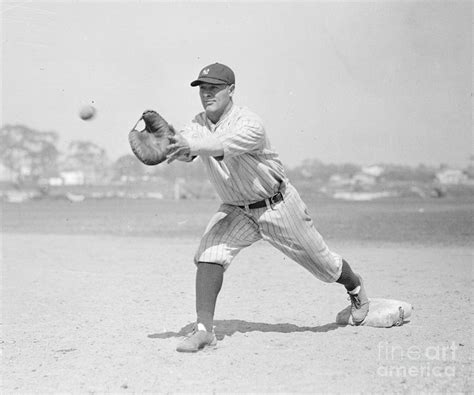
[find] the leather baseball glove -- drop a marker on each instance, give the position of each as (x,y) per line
(150,145)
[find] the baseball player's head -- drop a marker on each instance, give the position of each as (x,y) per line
(216,87)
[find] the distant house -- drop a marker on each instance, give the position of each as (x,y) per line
(374,170)
(72,177)
(363,179)
(368,175)
(55,181)
(339,180)
(451,177)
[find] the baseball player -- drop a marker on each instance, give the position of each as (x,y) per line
(258,202)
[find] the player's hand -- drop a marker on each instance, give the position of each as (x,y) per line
(178,149)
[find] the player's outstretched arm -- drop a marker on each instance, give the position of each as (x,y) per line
(182,148)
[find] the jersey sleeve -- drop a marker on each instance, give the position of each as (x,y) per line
(248,136)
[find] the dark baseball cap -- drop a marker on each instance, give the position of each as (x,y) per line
(215,73)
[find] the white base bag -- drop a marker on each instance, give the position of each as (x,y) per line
(383,313)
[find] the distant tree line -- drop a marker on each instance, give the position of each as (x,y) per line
(33,155)
(316,170)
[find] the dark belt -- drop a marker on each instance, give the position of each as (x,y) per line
(265,202)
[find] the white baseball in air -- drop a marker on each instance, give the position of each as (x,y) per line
(87,112)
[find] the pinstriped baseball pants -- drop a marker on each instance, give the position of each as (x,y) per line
(287,226)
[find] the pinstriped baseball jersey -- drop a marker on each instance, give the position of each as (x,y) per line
(249,171)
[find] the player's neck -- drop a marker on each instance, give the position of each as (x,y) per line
(215,117)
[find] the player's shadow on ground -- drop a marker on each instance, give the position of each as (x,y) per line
(229,327)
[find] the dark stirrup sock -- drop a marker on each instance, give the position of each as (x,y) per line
(209,278)
(348,278)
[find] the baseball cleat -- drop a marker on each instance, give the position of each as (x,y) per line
(198,339)
(359,303)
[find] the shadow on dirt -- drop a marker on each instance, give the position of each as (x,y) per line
(229,327)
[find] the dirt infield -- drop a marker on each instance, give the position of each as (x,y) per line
(102,313)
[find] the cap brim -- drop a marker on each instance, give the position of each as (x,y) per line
(206,80)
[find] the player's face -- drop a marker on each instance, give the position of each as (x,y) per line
(216,99)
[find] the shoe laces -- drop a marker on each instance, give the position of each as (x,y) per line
(189,334)
(355,300)
(195,330)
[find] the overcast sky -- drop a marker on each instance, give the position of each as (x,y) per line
(360,82)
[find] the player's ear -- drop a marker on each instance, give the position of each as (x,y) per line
(231,89)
